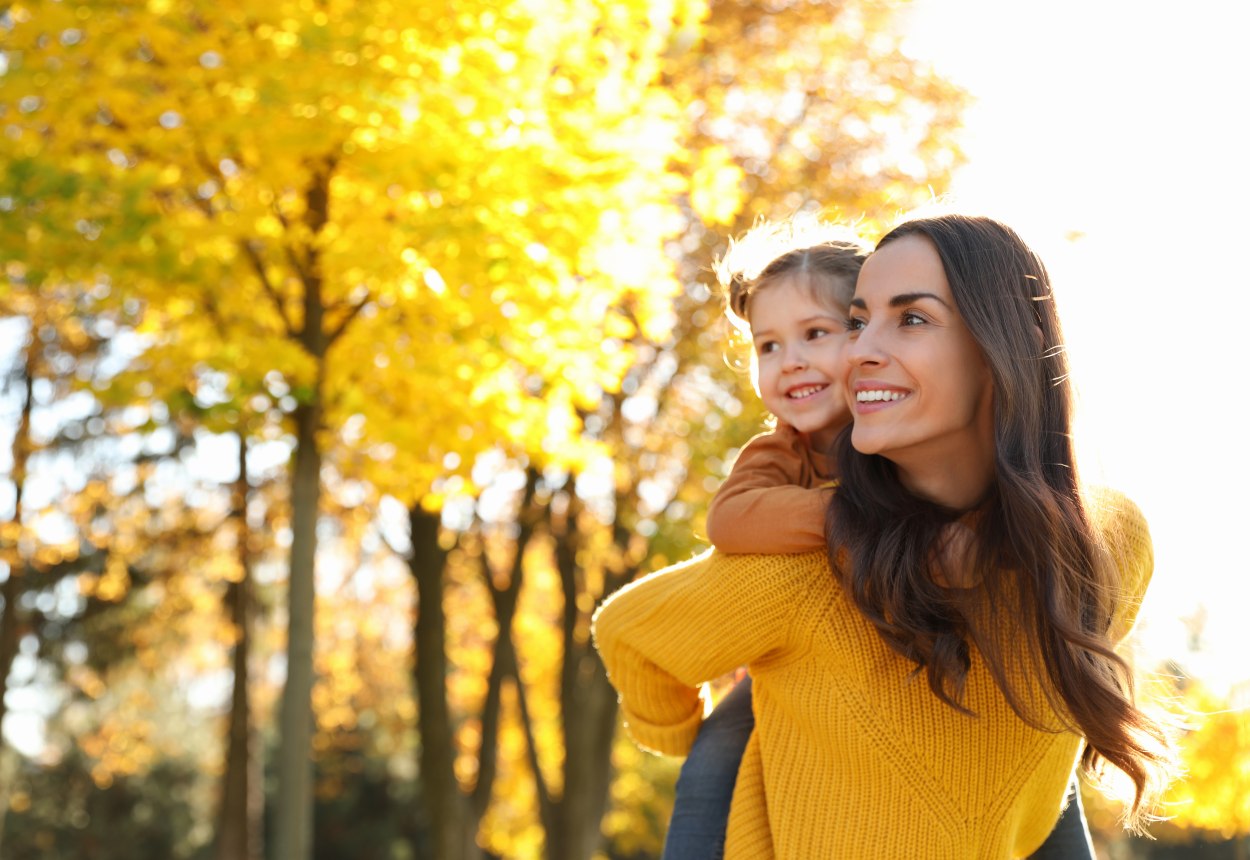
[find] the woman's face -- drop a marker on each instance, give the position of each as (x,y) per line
(920,390)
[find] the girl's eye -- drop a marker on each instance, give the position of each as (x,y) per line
(766,346)
(813,333)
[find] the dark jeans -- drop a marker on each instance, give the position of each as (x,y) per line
(706,784)
(1070,839)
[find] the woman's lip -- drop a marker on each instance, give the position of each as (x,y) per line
(876,385)
(869,407)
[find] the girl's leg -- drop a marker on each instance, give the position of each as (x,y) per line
(1070,840)
(706,784)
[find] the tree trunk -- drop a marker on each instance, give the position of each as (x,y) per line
(588,716)
(12,555)
(295,768)
(11,592)
(447,809)
(242,798)
(294,825)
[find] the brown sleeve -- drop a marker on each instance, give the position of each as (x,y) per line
(770,502)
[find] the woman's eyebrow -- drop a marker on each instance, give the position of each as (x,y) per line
(907,298)
(902,299)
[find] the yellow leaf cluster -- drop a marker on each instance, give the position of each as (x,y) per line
(362,698)
(1215,795)
(493,187)
(716,186)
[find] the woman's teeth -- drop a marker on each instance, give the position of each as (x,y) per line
(871,396)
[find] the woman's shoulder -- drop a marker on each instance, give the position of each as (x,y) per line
(758,567)
(1121,526)
(1111,507)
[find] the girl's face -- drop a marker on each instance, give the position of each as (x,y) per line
(917,381)
(798,349)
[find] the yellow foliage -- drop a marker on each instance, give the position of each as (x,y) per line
(716,186)
(112,586)
(1212,800)
(642,799)
(510,827)
(1215,795)
(488,185)
(362,698)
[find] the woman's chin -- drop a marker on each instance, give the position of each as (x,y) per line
(867,443)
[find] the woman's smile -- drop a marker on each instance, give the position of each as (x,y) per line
(874,397)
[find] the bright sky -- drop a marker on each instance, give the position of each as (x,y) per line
(1126,123)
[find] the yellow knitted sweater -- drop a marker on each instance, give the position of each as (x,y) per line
(852,755)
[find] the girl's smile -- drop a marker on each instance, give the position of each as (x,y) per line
(798,357)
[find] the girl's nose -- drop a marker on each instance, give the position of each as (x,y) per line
(794,358)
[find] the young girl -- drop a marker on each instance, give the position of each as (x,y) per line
(788,286)
(850,757)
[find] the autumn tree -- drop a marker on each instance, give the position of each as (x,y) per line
(302,193)
(90,558)
(55,343)
(1214,796)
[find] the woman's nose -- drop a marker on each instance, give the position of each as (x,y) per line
(863,348)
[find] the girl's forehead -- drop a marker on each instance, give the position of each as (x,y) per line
(832,292)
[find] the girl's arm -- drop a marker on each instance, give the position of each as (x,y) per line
(664,635)
(771,502)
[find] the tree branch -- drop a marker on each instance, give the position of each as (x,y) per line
(352,312)
(488,751)
(504,663)
(546,807)
(258,265)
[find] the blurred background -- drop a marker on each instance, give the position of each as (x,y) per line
(351,352)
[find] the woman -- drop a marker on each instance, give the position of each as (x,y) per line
(962,415)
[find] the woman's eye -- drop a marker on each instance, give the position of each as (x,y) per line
(854,324)
(913,319)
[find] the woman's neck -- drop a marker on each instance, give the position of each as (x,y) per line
(955,484)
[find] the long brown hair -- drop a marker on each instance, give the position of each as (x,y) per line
(1040,568)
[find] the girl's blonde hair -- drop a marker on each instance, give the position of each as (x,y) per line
(826,256)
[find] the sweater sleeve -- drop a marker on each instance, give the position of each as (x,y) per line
(1127,537)
(662,636)
(769,503)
